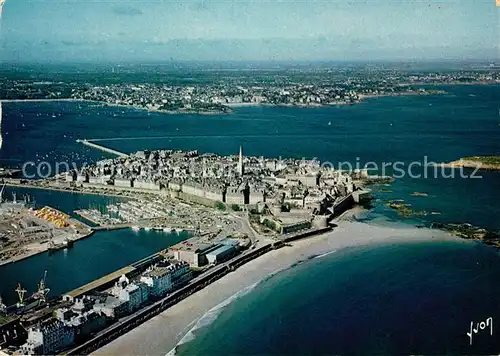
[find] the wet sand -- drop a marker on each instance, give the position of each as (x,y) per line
(161,334)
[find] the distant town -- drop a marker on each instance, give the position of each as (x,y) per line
(218,93)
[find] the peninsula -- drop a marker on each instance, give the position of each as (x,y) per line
(490,163)
(220,91)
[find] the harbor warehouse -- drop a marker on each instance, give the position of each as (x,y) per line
(221,254)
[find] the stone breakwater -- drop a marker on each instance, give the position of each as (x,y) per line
(470,232)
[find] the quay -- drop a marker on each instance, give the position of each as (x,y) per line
(98,225)
(111,227)
(108,280)
(102,148)
(62,229)
(33,184)
(99,283)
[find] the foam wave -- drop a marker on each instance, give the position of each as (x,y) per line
(210,316)
(326,254)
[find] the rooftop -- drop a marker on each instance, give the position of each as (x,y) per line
(100,282)
(220,250)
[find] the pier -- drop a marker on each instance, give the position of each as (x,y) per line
(102,148)
(111,227)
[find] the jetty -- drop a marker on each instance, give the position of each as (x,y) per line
(102,148)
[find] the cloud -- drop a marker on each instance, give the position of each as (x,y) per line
(124,10)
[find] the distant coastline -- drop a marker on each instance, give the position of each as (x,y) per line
(229,106)
(40,100)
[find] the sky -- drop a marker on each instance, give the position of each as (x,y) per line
(232,30)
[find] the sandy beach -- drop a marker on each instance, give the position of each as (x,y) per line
(162,333)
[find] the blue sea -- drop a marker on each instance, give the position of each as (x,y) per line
(391,299)
(414,298)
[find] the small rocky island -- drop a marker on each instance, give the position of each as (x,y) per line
(491,163)
(471,232)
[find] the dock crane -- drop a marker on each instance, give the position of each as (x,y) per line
(20,293)
(3,307)
(41,293)
(2,192)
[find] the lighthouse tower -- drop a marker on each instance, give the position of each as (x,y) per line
(241,168)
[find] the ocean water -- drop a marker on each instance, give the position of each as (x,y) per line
(389,299)
(385,300)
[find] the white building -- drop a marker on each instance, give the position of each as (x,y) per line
(159,280)
(87,323)
(48,338)
(180,273)
(132,294)
(112,307)
(135,294)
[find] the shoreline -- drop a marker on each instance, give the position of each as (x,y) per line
(40,100)
(229,106)
(42,248)
(153,337)
(25,256)
(470,164)
(63,190)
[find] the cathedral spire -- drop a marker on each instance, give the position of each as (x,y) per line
(241,169)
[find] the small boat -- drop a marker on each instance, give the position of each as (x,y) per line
(167,229)
(147,228)
(136,228)
(329,123)
(55,246)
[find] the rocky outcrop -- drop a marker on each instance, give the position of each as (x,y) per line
(470,232)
